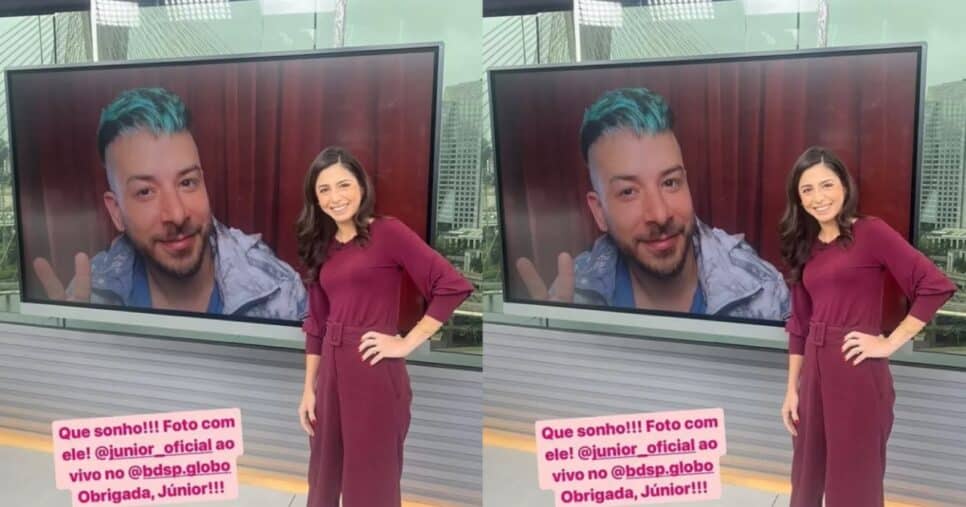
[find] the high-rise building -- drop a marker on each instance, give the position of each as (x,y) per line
(943,185)
(458,187)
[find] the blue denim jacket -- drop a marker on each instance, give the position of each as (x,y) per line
(252,280)
(736,282)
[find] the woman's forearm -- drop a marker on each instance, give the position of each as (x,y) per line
(794,370)
(422,331)
(311,371)
(905,331)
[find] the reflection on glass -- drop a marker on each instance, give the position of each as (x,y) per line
(24,41)
(942,212)
(185,29)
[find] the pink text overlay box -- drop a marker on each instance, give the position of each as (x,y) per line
(149,459)
(637,491)
(669,449)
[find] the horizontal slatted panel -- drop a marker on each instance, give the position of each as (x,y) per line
(534,373)
(48,374)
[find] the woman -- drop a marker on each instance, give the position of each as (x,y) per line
(355,404)
(838,405)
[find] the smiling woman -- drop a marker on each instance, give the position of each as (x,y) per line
(839,412)
(339,195)
(344,193)
(356,263)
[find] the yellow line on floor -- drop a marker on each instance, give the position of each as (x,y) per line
(29,441)
(268,480)
(247,476)
(734,477)
(507,440)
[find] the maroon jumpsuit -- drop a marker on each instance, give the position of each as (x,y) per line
(845,411)
(362,411)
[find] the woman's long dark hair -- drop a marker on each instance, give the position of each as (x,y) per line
(315,229)
(798,229)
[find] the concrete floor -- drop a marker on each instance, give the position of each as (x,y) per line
(27,480)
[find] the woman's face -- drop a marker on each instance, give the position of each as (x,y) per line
(339,193)
(822,193)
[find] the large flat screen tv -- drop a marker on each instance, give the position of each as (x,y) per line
(132,178)
(690,159)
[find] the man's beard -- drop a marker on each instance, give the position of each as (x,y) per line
(178,271)
(659,270)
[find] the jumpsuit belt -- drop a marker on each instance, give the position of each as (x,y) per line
(820,332)
(337,332)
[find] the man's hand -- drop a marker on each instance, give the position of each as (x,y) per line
(55,289)
(563,285)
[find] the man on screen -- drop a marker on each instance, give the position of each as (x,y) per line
(655,253)
(172,253)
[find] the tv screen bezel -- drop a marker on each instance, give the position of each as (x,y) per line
(679,325)
(284,332)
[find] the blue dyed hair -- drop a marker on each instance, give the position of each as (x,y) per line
(637,109)
(153,109)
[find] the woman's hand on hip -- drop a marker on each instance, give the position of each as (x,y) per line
(307,412)
(790,412)
(861,346)
(378,346)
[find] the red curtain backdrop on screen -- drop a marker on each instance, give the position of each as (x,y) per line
(258,126)
(740,124)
